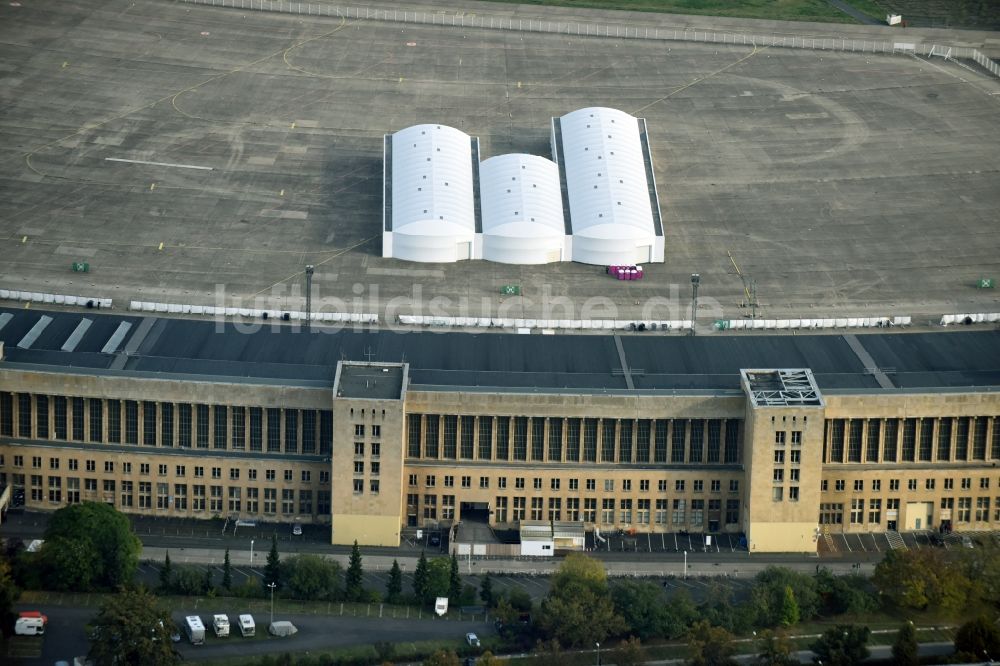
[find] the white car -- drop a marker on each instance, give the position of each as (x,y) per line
(472,639)
(297,529)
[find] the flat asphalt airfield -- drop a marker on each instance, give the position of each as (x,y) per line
(844,184)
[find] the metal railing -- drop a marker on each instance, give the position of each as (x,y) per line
(617,30)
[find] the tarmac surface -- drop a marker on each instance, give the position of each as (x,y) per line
(183,151)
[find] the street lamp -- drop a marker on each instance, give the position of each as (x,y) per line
(251,553)
(598,653)
(272,585)
(695,281)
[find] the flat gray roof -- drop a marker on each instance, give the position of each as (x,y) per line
(574,363)
(373,382)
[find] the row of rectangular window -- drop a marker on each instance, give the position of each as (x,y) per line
(553,439)
(627,511)
(167,424)
(680,485)
(216,499)
(833,512)
(840,485)
(912,439)
(73,464)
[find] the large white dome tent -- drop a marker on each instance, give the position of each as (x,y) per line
(522,210)
(429,211)
(614,211)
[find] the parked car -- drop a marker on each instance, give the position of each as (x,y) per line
(434,540)
(472,639)
(967,542)
(297,529)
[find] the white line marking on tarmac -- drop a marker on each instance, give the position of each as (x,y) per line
(164,164)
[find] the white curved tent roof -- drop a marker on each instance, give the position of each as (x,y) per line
(521,209)
(433,202)
(607,185)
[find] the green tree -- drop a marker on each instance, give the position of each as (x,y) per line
(100,539)
(843,645)
(166,575)
(310,576)
(844,594)
(187,580)
(767,597)
(488,659)
(978,639)
(354,579)
(486,591)
(394,588)
(454,582)
(789,608)
(520,600)
(904,650)
(438,579)
(922,579)
(643,607)
(227,573)
(629,653)
(420,578)
(70,565)
(775,649)
(208,583)
(131,628)
(504,612)
(578,609)
(8,593)
(442,658)
(550,653)
(272,570)
(710,646)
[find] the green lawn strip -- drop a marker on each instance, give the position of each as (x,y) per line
(868,7)
(779,10)
(356,653)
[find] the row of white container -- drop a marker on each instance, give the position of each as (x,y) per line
(579,324)
(975,318)
(58,299)
(842,322)
(211,310)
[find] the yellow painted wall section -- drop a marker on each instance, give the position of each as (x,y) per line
(782,537)
(366,530)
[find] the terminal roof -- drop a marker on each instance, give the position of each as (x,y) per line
(205,350)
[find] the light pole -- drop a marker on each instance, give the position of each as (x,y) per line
(695,281)
(309,278)
(251,553)
(685,565)
(272,585)
(598,653)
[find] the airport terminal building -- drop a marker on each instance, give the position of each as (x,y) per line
(777,437)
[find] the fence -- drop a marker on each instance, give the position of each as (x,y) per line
(584,29)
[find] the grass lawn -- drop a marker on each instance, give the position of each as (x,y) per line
(783,10)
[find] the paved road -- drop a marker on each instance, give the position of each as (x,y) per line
(66,636)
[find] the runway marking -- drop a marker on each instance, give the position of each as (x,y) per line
(698,80)
(163,164)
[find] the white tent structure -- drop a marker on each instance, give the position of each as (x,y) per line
(429,210)
(614,208)
(522,210)
(595,204)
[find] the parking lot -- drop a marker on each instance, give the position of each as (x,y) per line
(859,543)
(673,542)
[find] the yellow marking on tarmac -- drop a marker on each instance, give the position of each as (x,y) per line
(152,187)
(740,273)
(161,247)
(27,306)
(65,64)
(518,84)
(293,125)
(401,79)
(24,239)
(281,194)
(698,80)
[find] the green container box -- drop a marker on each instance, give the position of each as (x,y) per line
(986,283)
(511,290)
